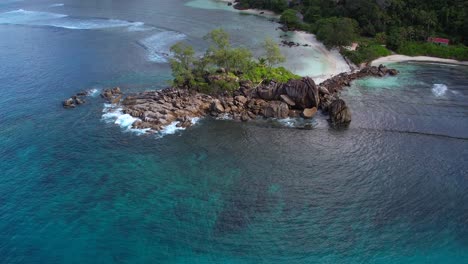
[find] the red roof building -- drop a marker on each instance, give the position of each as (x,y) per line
(441,41)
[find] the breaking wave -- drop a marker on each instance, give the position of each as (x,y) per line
(113,114)
(37,18)
(439,89)
(56,5)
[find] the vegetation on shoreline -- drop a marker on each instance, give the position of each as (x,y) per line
(456,52)
(401,26)
(222,66)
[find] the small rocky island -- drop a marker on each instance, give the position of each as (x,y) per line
(228,82)
(295,98)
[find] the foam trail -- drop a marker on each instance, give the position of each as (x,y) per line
(56,5)
(24,17)
(158,45)
(95,23)
(439,89)
(37,18)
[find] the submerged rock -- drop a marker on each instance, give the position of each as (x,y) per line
(69,103)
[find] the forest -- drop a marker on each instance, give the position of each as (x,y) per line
(397,24)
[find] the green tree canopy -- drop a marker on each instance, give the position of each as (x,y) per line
(290,19)
(336,31)
(273,54)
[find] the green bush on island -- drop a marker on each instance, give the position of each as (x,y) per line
(222,66)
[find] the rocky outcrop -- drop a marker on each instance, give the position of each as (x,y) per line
(113,95)
(298,94)
(269,99)
(340,115)
(155,110)
(76,100)
(276,109)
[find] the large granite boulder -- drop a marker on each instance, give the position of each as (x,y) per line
(270,91)
(303,92)
(276,109)
(308,113)
(340,115)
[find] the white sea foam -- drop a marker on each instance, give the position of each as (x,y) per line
(288,122)
(57,5)
(224,117)
(37,18)
(92,92)
(94,23)
(172,127)
(125,121)
(139,26)
(158,45)
(439,89)
(113,114)
(24,17)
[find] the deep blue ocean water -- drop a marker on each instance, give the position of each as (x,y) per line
(393,188)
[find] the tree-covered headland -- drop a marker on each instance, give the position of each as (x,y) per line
(378,26)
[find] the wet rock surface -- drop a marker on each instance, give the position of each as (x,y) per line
(77,99)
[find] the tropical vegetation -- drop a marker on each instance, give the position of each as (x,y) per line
(223,66)
(402,25)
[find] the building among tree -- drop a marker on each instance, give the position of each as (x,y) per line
(440,41)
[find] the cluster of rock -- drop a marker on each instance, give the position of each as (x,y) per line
(292,44)
(296,98)
(337,109)
(337,82)
(75,100)
(113,95)
(157,109)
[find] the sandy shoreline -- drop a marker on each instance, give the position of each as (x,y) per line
(319,62)
(403,58)
(313,60)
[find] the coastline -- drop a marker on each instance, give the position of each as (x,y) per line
(313,59)
(334,58)
(403,58)
(335,62)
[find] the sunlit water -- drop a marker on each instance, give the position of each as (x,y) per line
(76,188)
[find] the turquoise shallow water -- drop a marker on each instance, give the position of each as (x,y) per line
(75,189)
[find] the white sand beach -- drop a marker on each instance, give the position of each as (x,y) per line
(402,58)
